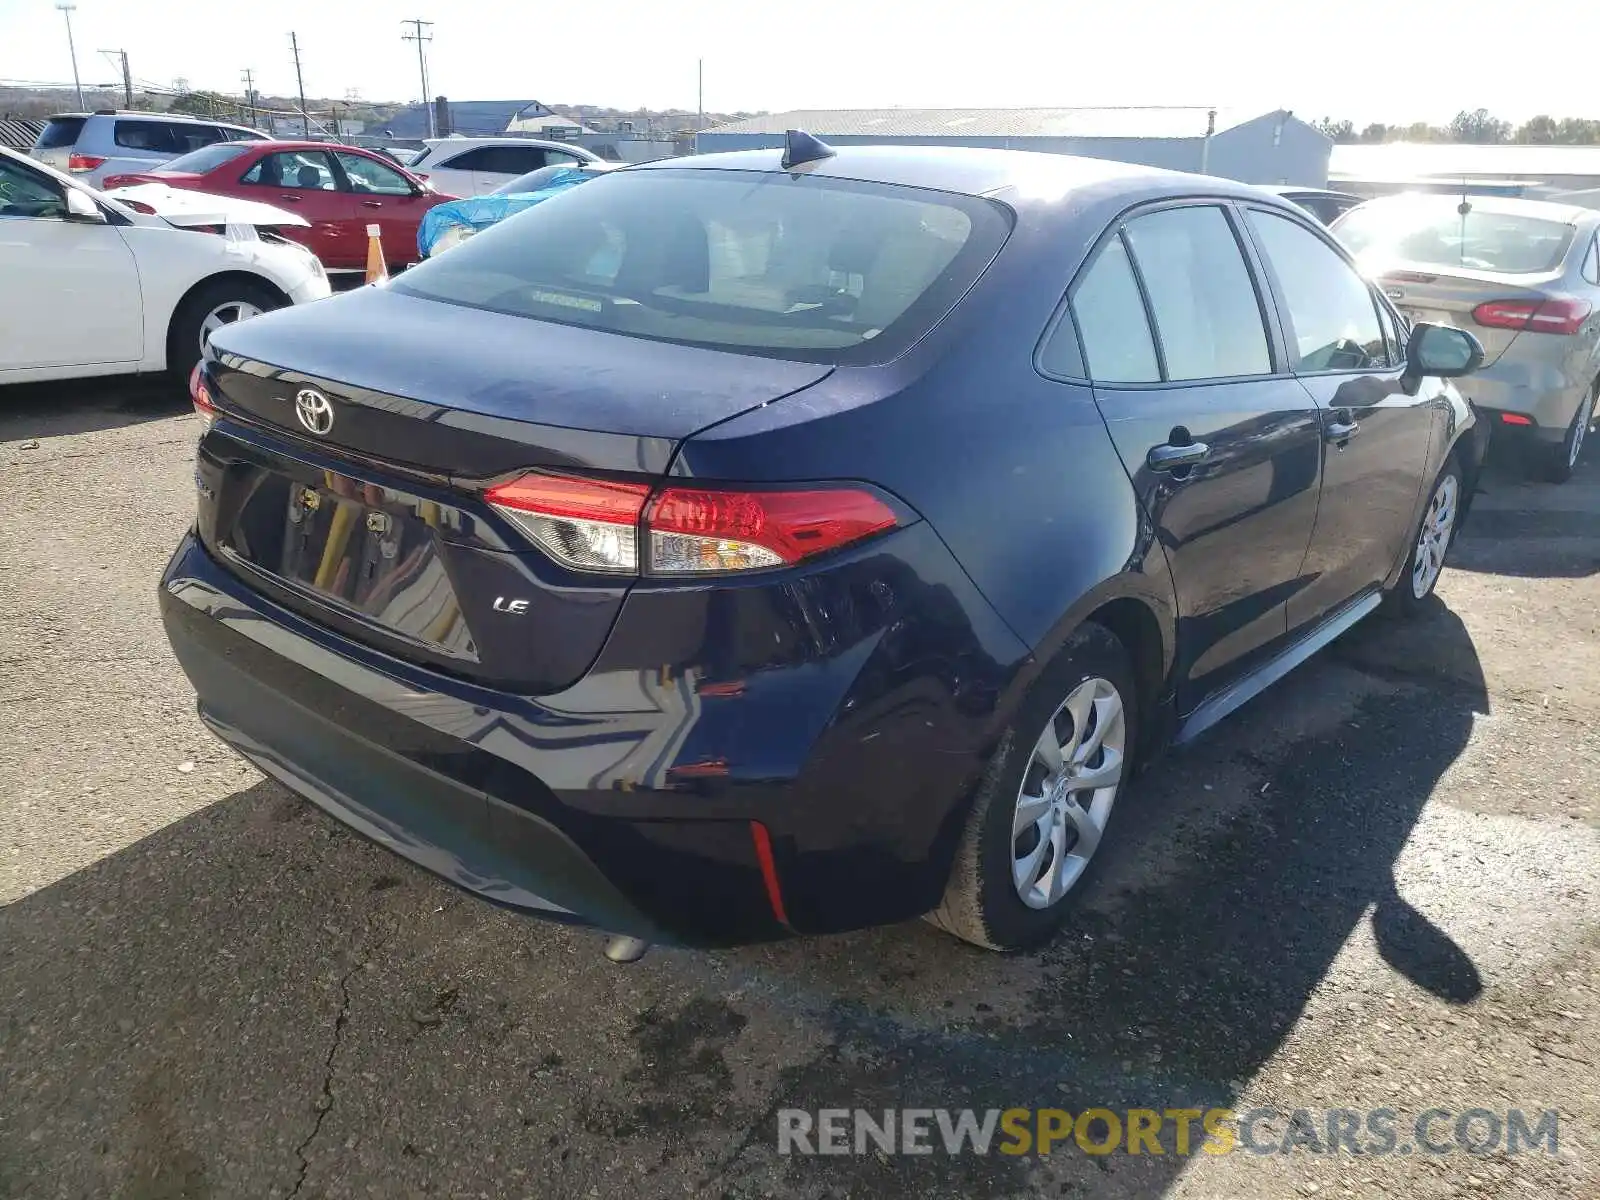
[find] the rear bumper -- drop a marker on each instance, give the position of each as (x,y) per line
(1544,393)
(627,801)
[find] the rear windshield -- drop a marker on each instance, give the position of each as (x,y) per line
(208,158)
(1432,232)
(60,132)
(821,270)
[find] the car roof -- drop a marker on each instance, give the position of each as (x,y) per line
(1509,206)
(1290,189)
(965,170)
(182,118)
(445,143)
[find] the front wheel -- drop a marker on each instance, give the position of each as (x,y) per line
(1434,535)
(1040,815)
(208,309)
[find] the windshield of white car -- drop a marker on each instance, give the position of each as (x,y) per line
(798,267)
(1431,231)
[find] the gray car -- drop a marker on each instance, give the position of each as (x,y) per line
(92,146)
(1524,276)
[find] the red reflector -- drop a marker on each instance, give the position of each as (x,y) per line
(562,496)
(1560,315)
(1515,419)
(793,525)
(769,869)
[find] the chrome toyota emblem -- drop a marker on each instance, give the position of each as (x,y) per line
(314,411)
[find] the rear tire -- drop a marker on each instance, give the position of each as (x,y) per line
(1560,460)
(1086,701)
(210,301)
(1430,543)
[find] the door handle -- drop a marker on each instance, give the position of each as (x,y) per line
(291,199)
(1342,431)
(372,204)
(1172,458)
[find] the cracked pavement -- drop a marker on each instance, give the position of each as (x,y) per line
(1375,886)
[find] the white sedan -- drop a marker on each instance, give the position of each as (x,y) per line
(93,286)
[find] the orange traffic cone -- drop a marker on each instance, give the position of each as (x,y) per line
(376,268)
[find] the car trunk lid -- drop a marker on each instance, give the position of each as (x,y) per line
(345,477)
(1438,297)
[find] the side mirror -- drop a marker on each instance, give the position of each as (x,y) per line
(81,208)
(1442,351)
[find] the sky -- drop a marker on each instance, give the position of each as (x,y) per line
(1365,60)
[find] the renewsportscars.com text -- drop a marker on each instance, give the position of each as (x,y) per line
(1179,1131)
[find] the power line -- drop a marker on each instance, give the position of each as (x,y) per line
(419,37)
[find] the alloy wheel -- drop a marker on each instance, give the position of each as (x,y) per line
(1067,791)
(1433,539)
(225,314)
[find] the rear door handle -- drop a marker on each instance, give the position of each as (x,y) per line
(289,198)
(1168,457)
(372,204)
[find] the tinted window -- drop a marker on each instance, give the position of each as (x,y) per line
(308,169)
(805,268)
(1431,231)
(369,175)
(1111,320)
(1332,319)
(1204,304)
(59,133)
(498,160)
(209,159)
(1396,332)
(24,194)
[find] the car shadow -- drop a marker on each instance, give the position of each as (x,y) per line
(1242,869)
(1523,528)
(44,410)
(177,1018)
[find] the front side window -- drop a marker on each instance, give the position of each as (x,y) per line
(370,176)
(1332,319)
(1206,312)
(307,170)
(1117,345)
(26,195)
(806,268)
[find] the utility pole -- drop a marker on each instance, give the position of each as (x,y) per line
(305,117)
(419,37)
(700,91)
(249,93)
(127,77)
(66,11)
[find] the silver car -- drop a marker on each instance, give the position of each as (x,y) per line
(93,146)
(1524,276)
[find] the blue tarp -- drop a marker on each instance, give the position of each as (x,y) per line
(480,212)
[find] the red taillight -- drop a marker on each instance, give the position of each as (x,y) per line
(204,406)
(696,530)
(1561,314)
(83,162)
(1515,419)
(590,524)
(594,524)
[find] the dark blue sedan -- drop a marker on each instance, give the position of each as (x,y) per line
(792,541)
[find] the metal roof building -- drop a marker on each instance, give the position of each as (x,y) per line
(19,134)
(1275,147)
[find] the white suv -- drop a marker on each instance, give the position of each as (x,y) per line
(94,145)
(476,166)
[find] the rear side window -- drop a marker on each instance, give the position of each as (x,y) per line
(498,160)
(59,133)
(1206,312)
(1111,320)
(1591,261)
(147,135)
(1333,320)
(807,268)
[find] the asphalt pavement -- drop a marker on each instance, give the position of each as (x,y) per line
(1376,886)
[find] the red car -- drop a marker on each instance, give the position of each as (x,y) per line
(339,189)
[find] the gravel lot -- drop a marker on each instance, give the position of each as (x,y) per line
(1379,885)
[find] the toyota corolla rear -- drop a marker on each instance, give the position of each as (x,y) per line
(1522,275)
(448,581)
